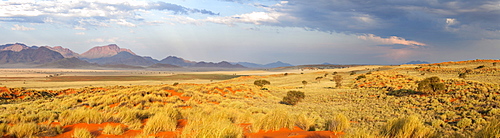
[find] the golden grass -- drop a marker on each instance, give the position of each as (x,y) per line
(82,133)
(492,130)
(110,130)
(22,130)
(162,121)
(274,120)
(407,127)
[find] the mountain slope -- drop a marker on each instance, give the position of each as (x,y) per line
(69,63)
(13,47)
(270,65)
(223,64)
(173,60)
(67,53)
(104,51)
(125,58)
(30,56)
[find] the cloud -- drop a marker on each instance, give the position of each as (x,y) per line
(80,33)
(88,13)
(21,28)
(256,18)
(102,40)
(391,40)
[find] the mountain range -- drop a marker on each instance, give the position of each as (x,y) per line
(109,56)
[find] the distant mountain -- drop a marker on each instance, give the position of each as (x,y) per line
(417,62)
(29,56)
(104,51)
(277,64)
(67,53)
(69,63)
(270,65)
(150,59)
(160,65)
(13,47)
(122,66)
(223,64)
(125,58)
(173,60)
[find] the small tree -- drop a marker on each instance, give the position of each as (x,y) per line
(304,83)
(319,79)
(293,97)
(360,77)
(338,80)
(494,64)
(334,73)
(326,74)
(353,72)
(431,85)
(261,83)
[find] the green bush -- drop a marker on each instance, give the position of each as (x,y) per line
(261,83)
(360,77)
(431,85)
(403,92)
(293,97)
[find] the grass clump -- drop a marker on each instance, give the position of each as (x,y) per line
(274,120)
(406,128)
(3,129)
(162,121)
(492,130)
(82,115)
(22,130)
(110,130)
(82,133)
(339,123)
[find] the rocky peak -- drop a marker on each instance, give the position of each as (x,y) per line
(104,51)
(67,53)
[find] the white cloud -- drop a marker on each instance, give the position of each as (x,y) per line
(79,28)
(21,28)
(80,33)
(391,40)
(123,22)
(101,40)
(256,18)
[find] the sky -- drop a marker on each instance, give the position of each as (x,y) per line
(263,31)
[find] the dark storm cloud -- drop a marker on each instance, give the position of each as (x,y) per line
(421,20)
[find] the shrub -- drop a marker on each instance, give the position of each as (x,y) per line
(261,83)
(293,97)
(409,127)
(22,130)
(338,80)
(110,130)
(431,85)
(3,129)
(274,120)
(462,75)
(479,67)
(82,133)
(492,130)
(402,92)
(360,77)
(163,121)
(304,122)
(319,79)
(339,123)
(352,73)
(304,83)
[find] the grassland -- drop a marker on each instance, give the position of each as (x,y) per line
(385,102)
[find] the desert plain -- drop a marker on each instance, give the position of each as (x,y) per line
(449,99)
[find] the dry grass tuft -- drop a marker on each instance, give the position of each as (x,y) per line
(82,133)
(406,128)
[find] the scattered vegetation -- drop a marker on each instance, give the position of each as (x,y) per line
(431,85)
(261,83)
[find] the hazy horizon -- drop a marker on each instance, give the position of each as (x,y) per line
(263,31)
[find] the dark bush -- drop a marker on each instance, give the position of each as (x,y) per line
(360,77)
(293,97)
(403,92)
(431,85)
(261,83)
